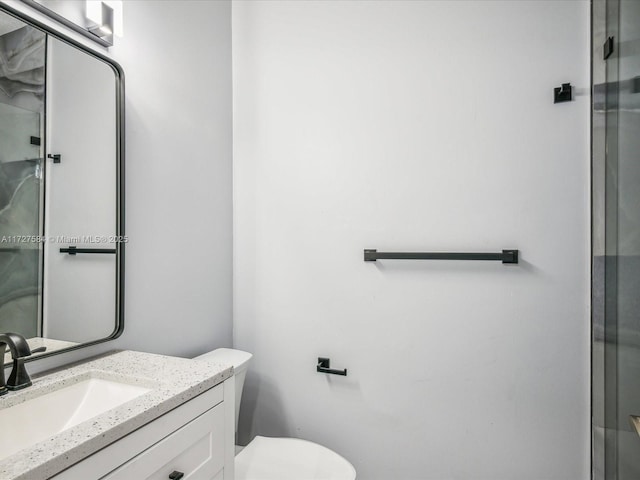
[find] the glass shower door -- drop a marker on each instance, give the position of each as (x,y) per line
(616,242)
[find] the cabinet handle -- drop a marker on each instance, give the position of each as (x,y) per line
(176,475)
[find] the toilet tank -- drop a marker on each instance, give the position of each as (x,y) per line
(239,360)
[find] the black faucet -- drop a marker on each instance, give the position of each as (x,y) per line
(20,350)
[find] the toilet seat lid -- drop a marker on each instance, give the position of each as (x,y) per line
(267,458)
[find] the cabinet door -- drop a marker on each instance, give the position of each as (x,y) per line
(196,450)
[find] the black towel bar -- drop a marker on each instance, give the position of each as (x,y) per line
(71,250)
(507,256)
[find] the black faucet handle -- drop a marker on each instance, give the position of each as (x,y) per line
(19,377)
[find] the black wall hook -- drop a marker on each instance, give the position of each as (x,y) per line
(562,93)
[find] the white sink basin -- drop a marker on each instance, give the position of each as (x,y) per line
(39,418)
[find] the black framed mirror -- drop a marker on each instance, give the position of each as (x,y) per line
(62,236)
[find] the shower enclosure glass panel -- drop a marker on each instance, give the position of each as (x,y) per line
(616,223)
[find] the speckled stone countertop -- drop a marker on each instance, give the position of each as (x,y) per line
(173,381)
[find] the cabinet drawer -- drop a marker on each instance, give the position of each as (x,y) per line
(197,450)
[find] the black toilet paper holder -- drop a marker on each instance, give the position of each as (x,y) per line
(323,367)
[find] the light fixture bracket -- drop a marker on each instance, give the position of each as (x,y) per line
(56,17)
(100,20)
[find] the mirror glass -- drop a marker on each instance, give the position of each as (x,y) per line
(61,235)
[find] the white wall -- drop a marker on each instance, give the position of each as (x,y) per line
(415,126)
(177,61)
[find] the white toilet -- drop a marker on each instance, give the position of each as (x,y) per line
(267,458)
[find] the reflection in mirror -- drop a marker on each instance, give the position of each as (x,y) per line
(80,201)
(59,190)
(22,73)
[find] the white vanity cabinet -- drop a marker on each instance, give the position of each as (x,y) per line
(194,441)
